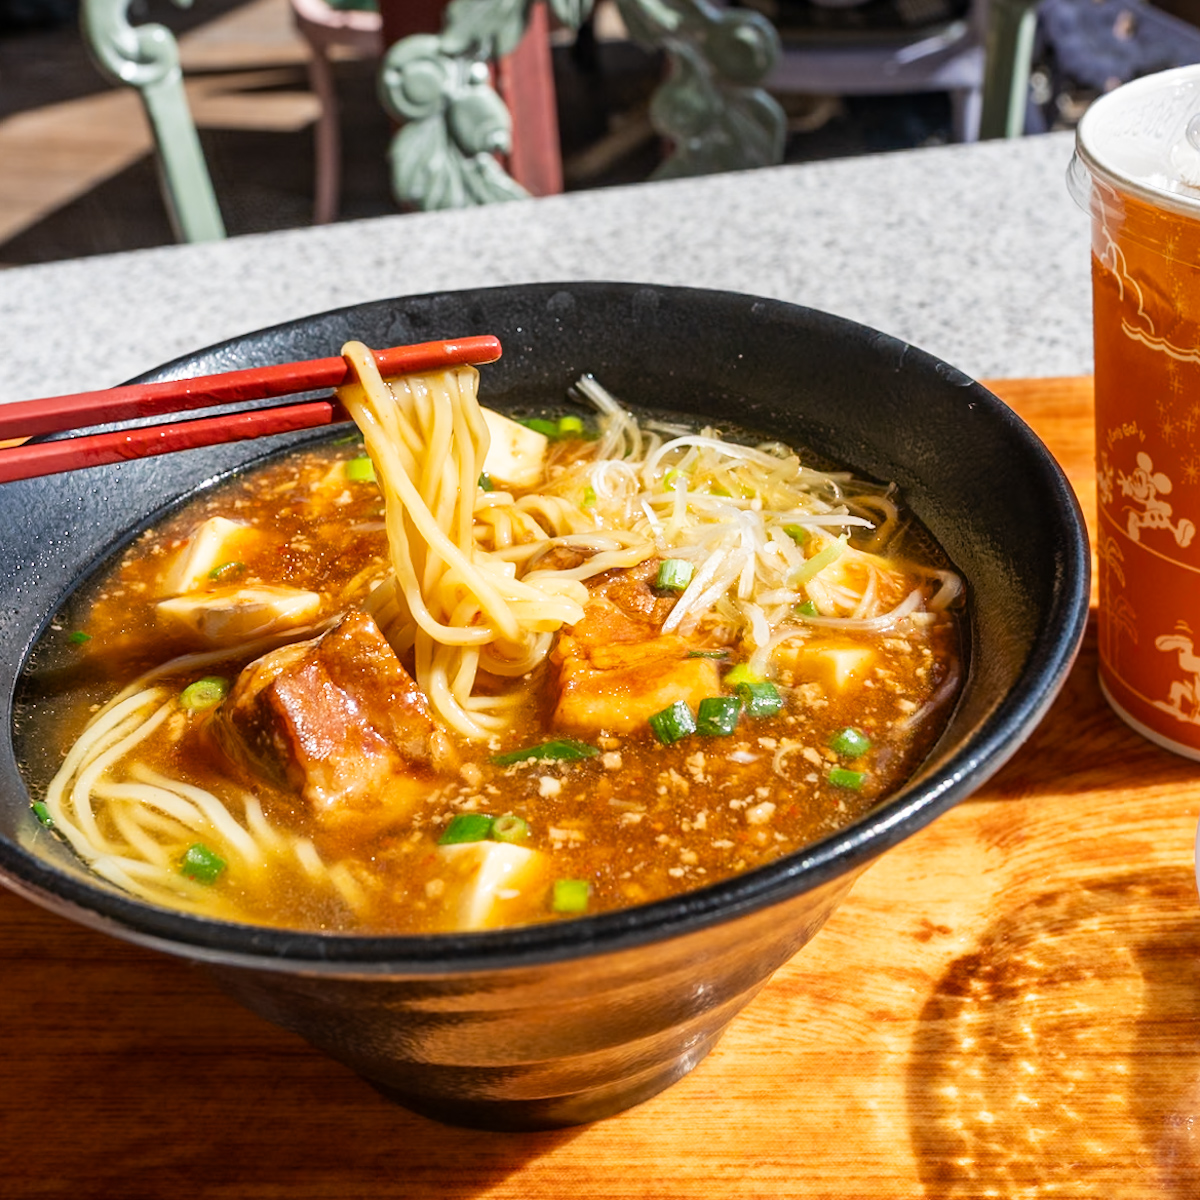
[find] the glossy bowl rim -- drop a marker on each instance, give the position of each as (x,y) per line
(844,853)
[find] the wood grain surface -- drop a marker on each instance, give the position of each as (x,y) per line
(1008,1005)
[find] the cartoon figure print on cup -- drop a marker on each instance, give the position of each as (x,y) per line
(1136,170)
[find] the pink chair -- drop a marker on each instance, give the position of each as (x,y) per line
(324,27)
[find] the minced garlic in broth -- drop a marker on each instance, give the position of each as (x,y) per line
(637,820)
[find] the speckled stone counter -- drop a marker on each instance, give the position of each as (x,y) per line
(974,253)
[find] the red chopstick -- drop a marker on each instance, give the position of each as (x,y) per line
(29,418)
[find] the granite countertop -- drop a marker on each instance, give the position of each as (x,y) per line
(974,253)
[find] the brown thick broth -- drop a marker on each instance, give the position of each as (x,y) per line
(638,821)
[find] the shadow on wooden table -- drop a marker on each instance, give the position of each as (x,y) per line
(1059,1053)
(134,1076)
(1062,1055)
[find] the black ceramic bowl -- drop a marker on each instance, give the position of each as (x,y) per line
(567,1022)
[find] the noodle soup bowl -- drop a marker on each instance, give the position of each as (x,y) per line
(566,1022)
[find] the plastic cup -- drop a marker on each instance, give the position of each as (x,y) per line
(1136,170)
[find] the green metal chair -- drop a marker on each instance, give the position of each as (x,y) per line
(1011,27)
(147,58)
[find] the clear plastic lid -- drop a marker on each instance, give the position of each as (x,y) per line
(1144,138)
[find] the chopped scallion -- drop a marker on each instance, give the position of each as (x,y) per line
(798,533)
(741,674)
(485,483)
(674,723)
(225,569)
(510,829)
(718,654)
(201,864)
(570,895)
(674,574)
(79,637)
(559,750)
(360,469)
(467,827)
(807,609)
(850,742)
(570,426)
(589,496)
(760,698)
(43,814)
(204,693)
(717,716)
(843,778)
(540,425)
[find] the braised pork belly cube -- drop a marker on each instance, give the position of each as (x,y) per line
(631,592)
(338,721)
(616,668)
(617,689)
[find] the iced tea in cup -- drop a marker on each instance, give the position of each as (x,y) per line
(1136,170)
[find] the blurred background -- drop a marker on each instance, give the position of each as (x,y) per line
(78,172)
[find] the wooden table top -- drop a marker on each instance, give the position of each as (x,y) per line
(1007,1005)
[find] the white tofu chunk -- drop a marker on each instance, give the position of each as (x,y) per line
(226,616)
(212,544)
(837,668)
(516,456)
(846,665)
(485,878)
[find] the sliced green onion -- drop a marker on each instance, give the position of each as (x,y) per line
(807,609)
(570,427)
(79,637)
(360,470)
(204,693)
(589,496)
(760,698)
(672,475)
(843,778)
(559,750)
(819,561)
(485,483)
(674,574)
(201,864)
(540,425)
(570,895)
(798,533)
(741,674)
(673,723)
(467,827)
(718,654)
(226,568)
(850,742)
(717,716)
(510,829)
(43,814)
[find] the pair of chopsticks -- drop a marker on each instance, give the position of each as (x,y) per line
(57,414)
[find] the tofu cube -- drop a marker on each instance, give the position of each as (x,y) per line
(210,545)
(516,456)
(485,878)
(226,616)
